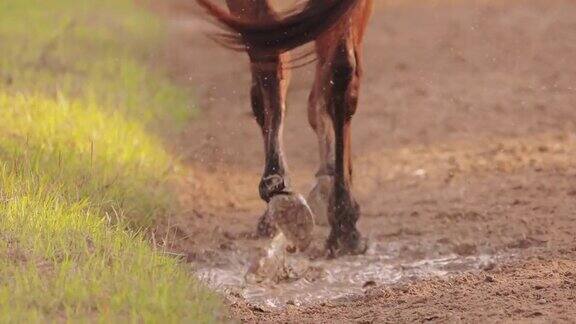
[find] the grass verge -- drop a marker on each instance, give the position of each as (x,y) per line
(81,171)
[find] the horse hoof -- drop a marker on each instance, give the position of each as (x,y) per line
(293,217)
(319,199)
(352,245)
(266,227)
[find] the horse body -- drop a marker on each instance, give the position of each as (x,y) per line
(337,27)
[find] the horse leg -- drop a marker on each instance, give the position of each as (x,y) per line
(286,210)
(268,104)
(342,99)
(320,121)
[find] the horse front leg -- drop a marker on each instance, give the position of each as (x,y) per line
(287,211)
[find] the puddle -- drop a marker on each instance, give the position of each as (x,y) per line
(341,278)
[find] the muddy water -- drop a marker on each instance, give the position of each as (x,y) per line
(317,281)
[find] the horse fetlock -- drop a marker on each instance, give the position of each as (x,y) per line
(272,185)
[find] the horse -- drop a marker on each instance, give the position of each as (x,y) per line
(337,27)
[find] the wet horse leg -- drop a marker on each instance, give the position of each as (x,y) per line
(320,121)
(343,97)
(286,210)
(333,102)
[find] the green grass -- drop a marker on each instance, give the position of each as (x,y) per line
(89,49)
(83,172)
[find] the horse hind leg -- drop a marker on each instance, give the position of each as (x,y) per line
(320,121)
(342,99)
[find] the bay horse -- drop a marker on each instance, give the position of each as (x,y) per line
(337,27)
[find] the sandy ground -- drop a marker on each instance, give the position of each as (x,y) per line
(464,140)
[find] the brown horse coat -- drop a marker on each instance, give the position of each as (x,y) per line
(337,27)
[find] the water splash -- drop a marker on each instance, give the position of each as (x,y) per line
(324,280)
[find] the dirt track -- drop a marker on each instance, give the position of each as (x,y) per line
(464,142)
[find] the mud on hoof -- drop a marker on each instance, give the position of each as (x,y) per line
(293,217)
(266,227)
(349,244)
(344,238)
(319,199)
